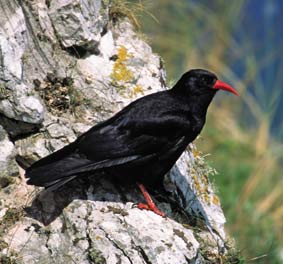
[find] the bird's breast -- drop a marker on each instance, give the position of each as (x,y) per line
(197,124)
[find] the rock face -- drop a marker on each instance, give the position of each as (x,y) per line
(7,160)
(65,65)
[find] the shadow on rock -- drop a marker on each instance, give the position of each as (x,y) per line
(48,205)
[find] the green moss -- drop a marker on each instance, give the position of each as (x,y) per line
(4,92)
(26,55)
(232,257)
(12,216)
(6,180)
(96,256)
(200,171)
(8,260)
(117,210)
(3,244)
(76,99)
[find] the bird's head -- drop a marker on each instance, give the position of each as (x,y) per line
(197,82)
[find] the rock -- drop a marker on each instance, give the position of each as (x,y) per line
(32,148)
(17,103)
(190,177)
(12,42)
(78,23)
(16,129)
(20,106)
(106,231)
(8,164)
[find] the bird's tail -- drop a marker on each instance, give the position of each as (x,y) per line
(65,165)
(56,173)
(54,170)
(52,186)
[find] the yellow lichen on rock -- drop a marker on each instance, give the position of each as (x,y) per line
(195,152)
(215,200)
(123,53)
(122,77)
(120,72)
(199,172)
(138,89)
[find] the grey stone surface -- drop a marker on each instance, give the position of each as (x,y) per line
(16,102)
(8,164)
(21,106)
(78,22)
(85,229)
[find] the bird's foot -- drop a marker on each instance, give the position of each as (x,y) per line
(154,209)
(150,204)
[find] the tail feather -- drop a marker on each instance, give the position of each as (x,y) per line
(51,173)
(55,156)
(65,164)
(52,186)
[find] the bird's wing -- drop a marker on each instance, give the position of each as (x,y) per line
(125,141)
(98,149)
(124,138)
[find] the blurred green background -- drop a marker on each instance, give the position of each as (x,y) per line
(242,42)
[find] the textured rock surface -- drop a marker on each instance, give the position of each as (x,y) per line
(78,22)
(66,65)
(7,160)
(16,101)
(89,229)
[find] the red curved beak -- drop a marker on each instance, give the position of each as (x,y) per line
(224,86)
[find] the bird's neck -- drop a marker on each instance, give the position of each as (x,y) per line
(197,103)
(201,103)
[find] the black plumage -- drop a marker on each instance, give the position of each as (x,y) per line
(141,142)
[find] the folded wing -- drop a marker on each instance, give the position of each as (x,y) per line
(122,139)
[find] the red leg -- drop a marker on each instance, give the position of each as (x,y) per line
(150,204)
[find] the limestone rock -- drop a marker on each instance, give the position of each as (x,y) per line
(79,22)
(12,41)
(89,230)
(15,100)
(7,159)
(21,106)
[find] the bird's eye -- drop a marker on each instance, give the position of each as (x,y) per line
(207,80)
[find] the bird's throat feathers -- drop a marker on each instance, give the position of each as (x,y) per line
(198,101)
(201,102)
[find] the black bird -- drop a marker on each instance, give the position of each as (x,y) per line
(140,143)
